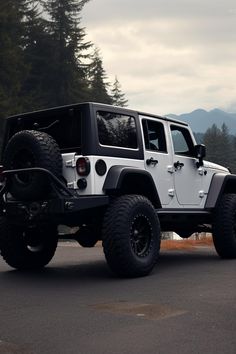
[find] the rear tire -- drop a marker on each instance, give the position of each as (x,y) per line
(26,149)
(131,236)
(27,248)
(224,227)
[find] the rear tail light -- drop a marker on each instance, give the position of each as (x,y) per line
(83,166)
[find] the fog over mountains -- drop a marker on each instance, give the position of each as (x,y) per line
(200,120)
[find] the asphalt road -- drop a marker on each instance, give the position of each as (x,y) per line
(75,305)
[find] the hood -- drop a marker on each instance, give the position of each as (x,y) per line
(214,166)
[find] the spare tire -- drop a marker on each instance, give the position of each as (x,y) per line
(26,149)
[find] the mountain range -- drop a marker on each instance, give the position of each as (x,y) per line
(200,120)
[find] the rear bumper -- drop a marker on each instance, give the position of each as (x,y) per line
(58,208)
(63,204)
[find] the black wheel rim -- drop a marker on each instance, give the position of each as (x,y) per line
(33,240)
(141,236)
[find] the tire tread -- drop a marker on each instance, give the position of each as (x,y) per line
(224,227)
(114,232)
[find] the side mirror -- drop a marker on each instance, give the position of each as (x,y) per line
(200,153)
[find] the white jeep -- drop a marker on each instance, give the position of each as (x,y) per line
(119,176)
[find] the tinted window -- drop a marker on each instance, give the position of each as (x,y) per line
(64,127)
(67,132)
(116,130)
(154,135)
(182,141)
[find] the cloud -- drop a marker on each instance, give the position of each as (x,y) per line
(171,56)
(106,11)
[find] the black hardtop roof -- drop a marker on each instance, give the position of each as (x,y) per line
(48,111)
(61,109)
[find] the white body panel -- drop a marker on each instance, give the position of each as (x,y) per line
(161,174)
(185,187)
(188,180)
(94,181)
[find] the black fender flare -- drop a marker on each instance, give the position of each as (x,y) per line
(220,184)
(117,174)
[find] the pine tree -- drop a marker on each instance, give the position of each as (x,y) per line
(66,72)
(42,61)
(211,140)
(12,67)
(219,146)
(226,151)
(37,52)
(97,78)
(118,97)
(233,142)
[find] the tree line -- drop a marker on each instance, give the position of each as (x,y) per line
(220,146)
(45,59)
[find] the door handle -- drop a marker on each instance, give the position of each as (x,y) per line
(151,161)
(178,165)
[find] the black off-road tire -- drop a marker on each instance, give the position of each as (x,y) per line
(131,236)
(27,248)
(224,227)
(26,149)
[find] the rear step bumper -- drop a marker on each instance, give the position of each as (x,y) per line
(57,184)
(39,210)
(64,203)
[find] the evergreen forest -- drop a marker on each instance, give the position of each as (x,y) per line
(45,59)
(221,146)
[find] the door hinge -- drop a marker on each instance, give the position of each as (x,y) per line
(201,194)
(170,169)
(171,192)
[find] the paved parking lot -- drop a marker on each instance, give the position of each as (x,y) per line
(75,305)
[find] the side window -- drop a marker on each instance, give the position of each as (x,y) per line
(182,141)
(154,135)
(116,130)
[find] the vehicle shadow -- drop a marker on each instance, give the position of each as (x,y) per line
(92,271)
(97,270)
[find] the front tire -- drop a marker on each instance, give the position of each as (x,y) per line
(131,236)
(25,247)
(224,227)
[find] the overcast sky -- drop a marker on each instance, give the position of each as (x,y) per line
(170,56)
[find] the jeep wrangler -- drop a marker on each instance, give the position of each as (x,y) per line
(110,174)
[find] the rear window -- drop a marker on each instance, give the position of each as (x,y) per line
(65,128)
(67,132)
(116,130)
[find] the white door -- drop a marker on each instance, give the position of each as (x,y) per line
(157,158)
(188,179)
